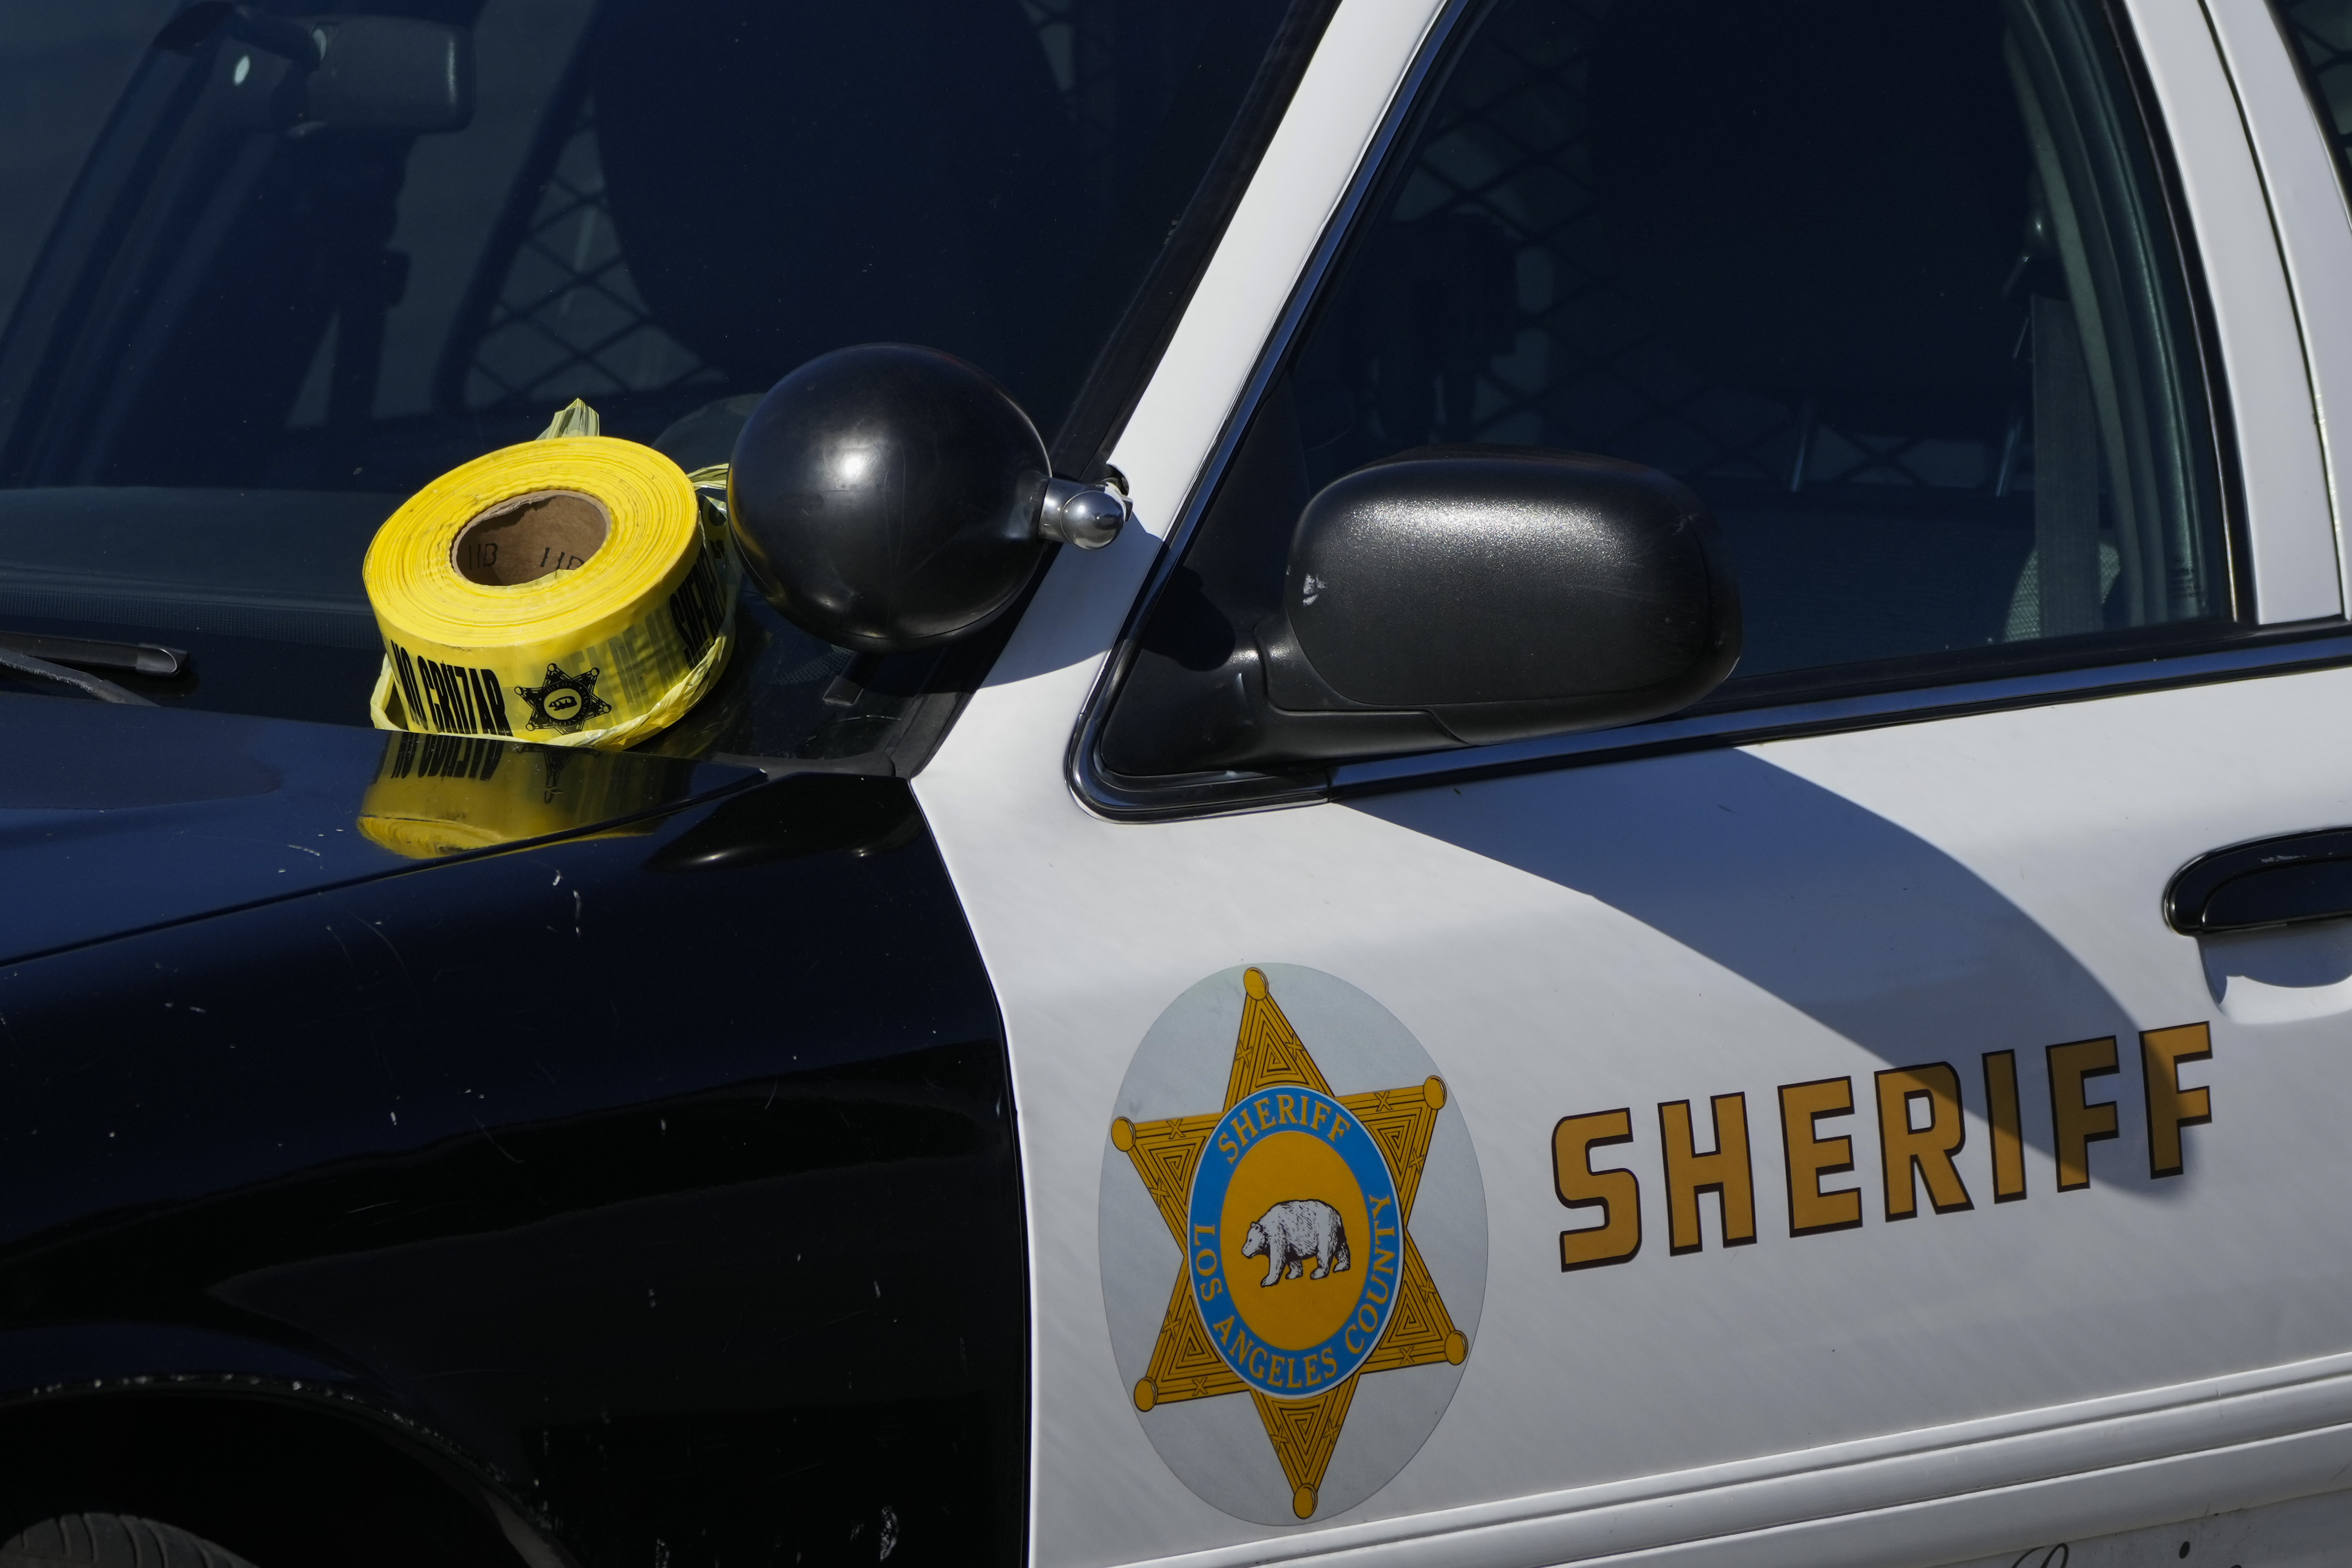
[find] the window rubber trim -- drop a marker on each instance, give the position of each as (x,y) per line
(1837,701)
(1114,382)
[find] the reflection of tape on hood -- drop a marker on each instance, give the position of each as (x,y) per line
(446,794)
(575,591)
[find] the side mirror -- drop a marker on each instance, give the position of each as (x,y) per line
(890,498)
(1458,596)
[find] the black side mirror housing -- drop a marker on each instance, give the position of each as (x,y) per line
(890,498)
(1461,597)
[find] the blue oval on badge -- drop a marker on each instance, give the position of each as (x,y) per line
(1296,1242)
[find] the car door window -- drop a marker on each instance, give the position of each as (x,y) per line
(1893,287)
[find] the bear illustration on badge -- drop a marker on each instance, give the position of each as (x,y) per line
(1294,1242)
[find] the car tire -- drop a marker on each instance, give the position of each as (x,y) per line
(111,1541)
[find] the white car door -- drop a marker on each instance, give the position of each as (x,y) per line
(1814,1127)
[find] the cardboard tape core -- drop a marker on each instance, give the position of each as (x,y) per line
(525,537)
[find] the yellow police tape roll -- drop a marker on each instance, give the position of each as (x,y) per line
(575,591)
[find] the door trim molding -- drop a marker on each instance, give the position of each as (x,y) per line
(1934,1495)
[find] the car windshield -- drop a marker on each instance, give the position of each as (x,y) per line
(267,269)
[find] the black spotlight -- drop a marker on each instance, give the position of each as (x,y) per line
(890,498)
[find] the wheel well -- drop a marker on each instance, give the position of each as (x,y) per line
(282,1484)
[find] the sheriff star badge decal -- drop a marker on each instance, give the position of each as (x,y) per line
(1297,1355)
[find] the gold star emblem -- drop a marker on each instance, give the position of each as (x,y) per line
(1186,1361)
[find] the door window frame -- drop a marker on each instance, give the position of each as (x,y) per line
(2303,183)
(2246,385)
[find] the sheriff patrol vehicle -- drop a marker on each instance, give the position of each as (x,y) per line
(1468,782)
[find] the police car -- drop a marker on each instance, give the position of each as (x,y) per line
(1499,782)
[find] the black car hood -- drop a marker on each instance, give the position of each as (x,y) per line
(117,819)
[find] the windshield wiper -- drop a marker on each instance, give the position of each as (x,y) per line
(98,653)
(48,657)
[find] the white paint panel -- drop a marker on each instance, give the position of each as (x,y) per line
(2307,1534)
(1898,1394)
(1680,927)
(2306,201)
(2295,572)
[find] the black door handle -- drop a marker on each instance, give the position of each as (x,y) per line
(2272,882)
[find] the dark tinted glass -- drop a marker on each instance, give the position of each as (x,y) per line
(2321,33)
(1891,285)
(237,338)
